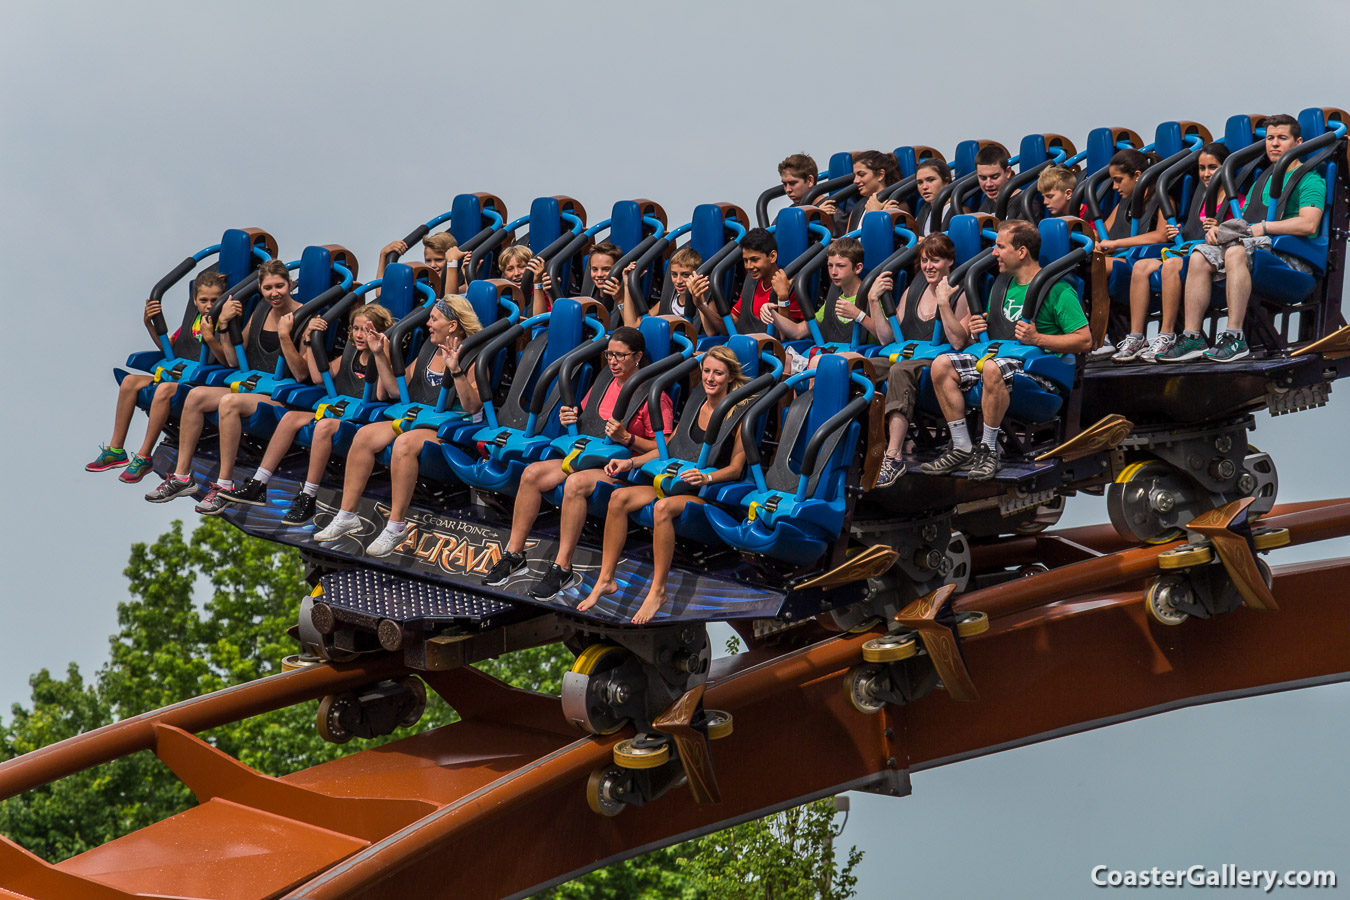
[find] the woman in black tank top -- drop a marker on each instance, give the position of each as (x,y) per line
(276,307)
(721,375)
(1199,222)
(366,327)
(928,299)
(452,320)
(1125,168)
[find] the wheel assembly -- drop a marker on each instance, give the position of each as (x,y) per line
(1162,597)
(972,623)
(642,752)
(1151,501)
(604,790)
(719,724)
(603,683)
(858,687)
(891,647)
(333,709)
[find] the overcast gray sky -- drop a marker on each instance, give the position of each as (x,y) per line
(132,134)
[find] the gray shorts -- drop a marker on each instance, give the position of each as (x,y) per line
(1214,255)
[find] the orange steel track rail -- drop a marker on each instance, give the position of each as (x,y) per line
(428,816)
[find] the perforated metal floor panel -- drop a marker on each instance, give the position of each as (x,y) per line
(368,595)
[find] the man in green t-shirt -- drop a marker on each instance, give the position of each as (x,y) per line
(1233,264)
(1060,327)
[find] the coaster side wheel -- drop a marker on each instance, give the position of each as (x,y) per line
(590,660)
(413,714)
(600,794)
(1161,597)
(890,648)
(332,708)
(972,623)
(858,689)
(629,755)
(720,724)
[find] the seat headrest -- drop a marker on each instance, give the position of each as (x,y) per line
(829,390)
(482,296)
(235,260)
(840,164)
(545,225)
(1101,146)
(315,275)
(1311,124)
(564,329)
(908,160)
(466,217)
(1031,152)
(625,225)
(1237,132)
(964,160)
(1167,139)
(791,235)
(965,234)
(1054,240)
(397,292)
(706,235)
(877,235)
(656,336)
(746,349)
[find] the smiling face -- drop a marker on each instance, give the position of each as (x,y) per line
(716,377)
(1123,181)
(759,264)
(795,186)
(205,297)
(275,290)
(992,179)
(928,183)
(934,268)
(679,276)
(1279,138)
(622,359)
(841,271)
(1209,167)
(600,266)
(440,328)
(434,258)
(868,181)
(514,270)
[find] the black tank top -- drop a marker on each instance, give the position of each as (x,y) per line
(912,327)
(352,376)
(264,347)
(687,440)
(425,385)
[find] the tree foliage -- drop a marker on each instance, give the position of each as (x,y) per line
(211,611)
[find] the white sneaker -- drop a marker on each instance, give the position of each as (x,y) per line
(385,543)
(337,528)
(1160,343)
(1105,350)
(1129,349)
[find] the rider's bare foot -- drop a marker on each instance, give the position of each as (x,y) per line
(648,609)
(608,586)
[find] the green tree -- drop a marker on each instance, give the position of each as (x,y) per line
(168,648)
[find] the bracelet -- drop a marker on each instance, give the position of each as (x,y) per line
(452,264)
(456,373)
(538,286)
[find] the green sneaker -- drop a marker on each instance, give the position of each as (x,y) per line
(1185,348)
(108,458)
(137,469)
(1228,348)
